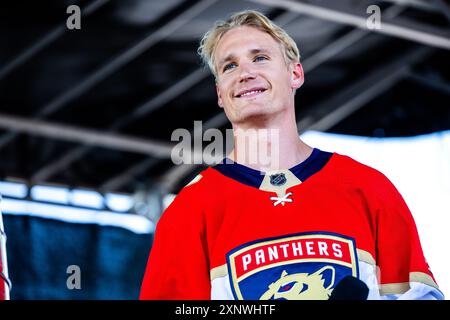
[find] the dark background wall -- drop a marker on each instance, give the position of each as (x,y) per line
(111,259)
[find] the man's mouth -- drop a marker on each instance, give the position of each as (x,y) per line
(250,92)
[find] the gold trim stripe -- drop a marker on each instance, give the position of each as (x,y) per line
(218,272)
(365,256)
(394,288)
(422,278)
(399,288)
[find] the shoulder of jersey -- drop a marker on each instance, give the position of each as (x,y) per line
(359,171)
(199,181)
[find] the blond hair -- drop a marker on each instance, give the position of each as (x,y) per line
(250,18)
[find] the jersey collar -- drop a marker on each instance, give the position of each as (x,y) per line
(254,178)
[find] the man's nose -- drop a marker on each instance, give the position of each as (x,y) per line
(246,72)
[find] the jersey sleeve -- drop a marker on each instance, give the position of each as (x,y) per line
(403,271)
(177,267)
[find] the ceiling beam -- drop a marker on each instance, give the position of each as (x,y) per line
(116,63)
(142,110)
(418,4)
(45,41)
(342,43)
(124,58)
(372,87)
(362,91)
(403,29)
(430,82)
(86,136)
(120,180)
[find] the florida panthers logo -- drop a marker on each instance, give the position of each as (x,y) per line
(303,266)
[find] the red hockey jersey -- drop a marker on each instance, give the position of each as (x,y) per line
(238,233)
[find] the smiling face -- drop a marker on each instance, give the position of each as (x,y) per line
(253,80)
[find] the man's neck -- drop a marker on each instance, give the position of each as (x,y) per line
(269,147)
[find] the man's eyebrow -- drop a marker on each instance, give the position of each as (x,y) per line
(231,56)
(260,50)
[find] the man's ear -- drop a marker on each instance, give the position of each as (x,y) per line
(298,78)
(219,97)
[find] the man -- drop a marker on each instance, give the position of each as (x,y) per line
(292,227)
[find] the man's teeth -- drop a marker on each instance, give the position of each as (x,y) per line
(251,92)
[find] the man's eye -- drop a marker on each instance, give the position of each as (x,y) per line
(229,66)
(260,58)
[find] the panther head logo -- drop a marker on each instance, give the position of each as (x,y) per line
(301,286)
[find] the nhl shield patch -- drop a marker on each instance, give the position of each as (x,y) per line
(278,179)
(304,266)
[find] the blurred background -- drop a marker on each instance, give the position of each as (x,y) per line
(86,118)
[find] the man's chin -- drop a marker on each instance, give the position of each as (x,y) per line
(254,116)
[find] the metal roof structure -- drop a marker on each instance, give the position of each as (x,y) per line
(96,107)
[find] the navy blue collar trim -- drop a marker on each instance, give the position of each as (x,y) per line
(314,163)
